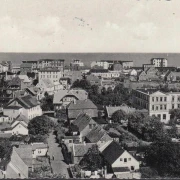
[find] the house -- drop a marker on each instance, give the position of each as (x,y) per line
(156,102)
(83,124)
(25,79)
(112,109)
(26,105)
(16,83)
(46,85)
(119,161)
(76,65)
(7,75)
(104,65)
(65,81)
(57,63)
(4,66)
(52,73)
(98,135)
(133,72)
(3,118)
(79,106)
(26,67)
(17,164)
(172,76)
(19,126)
(159,62)
(37,149)
(94,80)
(63,97)
(79,150)
(117,67)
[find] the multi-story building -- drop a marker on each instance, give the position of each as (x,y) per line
(105,73)
(52,73)
(159,62)
(156,102)
(58,63)
(42,63)
(103,64)
(76,64)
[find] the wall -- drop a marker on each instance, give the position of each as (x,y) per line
(20,129)
(40,152)
(132,162)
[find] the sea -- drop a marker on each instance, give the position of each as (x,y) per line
(87,58)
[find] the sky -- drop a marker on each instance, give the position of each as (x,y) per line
(89,26)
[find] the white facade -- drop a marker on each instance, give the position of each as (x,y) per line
(157,103)
(51,74)
(3,68)
(126,160)
(19,129)
(159,62)
(109,74)
(103,64)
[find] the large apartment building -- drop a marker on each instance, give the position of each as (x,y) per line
(156,102)
(53,74)
(42,63)
(159,62)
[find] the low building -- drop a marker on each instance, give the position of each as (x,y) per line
(82,125)
(98,135)
(4,67)
(120,162)
(63,97)
(104,65)
(26,67)
(172,76)
(94,80)
(79,150)
(79,106)
(27,106)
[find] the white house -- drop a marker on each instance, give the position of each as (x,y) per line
(26,105)
(119,161)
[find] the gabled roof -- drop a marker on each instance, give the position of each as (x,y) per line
(111,109)
(80,94)
(16,81)
(97,134)
(21,117)
(26,102)
(81,104)
(25,153)
(82,121)
(24,78)
(112,152)
(81,149)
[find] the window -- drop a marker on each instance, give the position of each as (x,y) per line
(125,160)
(70,141)
(165,107)
(90,126)
(178,98)
(172,98)
(129,159)
(178,105)
(152,107)
(165,99)
(39,151)
(121,159)
(160,107)
(164,116)
(132,168)
(157,98)
(156,108)
(160,98)
(159,116)
(172,106)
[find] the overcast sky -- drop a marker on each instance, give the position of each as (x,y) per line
(89,26)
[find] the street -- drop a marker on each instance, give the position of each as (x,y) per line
(58,165)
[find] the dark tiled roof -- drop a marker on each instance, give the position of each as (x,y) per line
(98,70)
(25,101)
(16,81)
(100,120)
(82,104)
(82,121)
(112,152)
(97,134)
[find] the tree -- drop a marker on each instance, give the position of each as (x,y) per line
(40,125)
(119,115)
(164,156)
(47,102)
(5,147)
(92,160)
